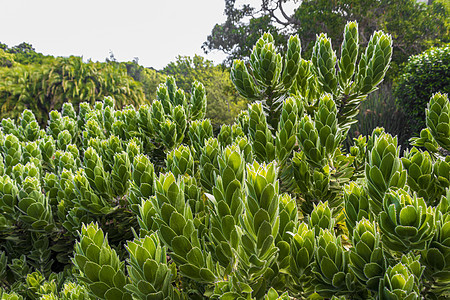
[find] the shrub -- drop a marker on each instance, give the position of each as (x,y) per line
(423,75)
(248,215)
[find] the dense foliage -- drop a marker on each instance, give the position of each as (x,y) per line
(224,103)
(147,204)
(43,87)
(414,26)
(423,75)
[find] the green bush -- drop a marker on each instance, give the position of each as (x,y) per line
(126,204)
(423,75)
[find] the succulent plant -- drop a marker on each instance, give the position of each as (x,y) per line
(260,222)
(9,197)
(406,223)
(436,256)
(120,174)
(95,173)
(180,161)
(330,268)
(209,165)
(198,101)
(199,132)
(261,136)
(367,259)
(34,206)
(321,218)
(272,76)
(177,231)
(356,205)
(425,140)
(309,142)
(374,62)
(349,54)
(437,119)
(383,170)
(73,291)
(302,249)
(287,129)
(324,60)
(29,126)
(227,204)
(402,280)
(99,266)
(12,152)
(150,276)
(142,181)
(87,199)
(180,119)
(420,174)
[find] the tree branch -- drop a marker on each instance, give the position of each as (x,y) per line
(292,21)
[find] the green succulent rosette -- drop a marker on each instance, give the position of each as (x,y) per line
(367,259)
(149,273)
(209,165)
(384,170)
(321,218)
(402,281)
(198,101)
(406,223)
(356,205)
(180,161)
(419,166)
(438,119)
(436,256)
(330,269)
(99,266)
(324,60)
(142,181)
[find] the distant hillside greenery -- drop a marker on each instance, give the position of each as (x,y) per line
(29,80)
(42,83)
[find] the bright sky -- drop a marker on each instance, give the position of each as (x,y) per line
(154,31)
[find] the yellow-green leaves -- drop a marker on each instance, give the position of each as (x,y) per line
(384,170)
(198,101)
(266,62)
(149,272)
(263,143)
(405,222)
(367,260)
(420,174)
(180,161)
(242,80)
(356,205)
(349,54)
(324,60)
(438,119)
(402,280)
(287,129)
(374,62)
(99,265)
(330,267)
(142,181)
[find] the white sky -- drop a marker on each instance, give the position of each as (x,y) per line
(155,31)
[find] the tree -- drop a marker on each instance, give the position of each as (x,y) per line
(223,101)
(150,78)
(25,54)
(414,26)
